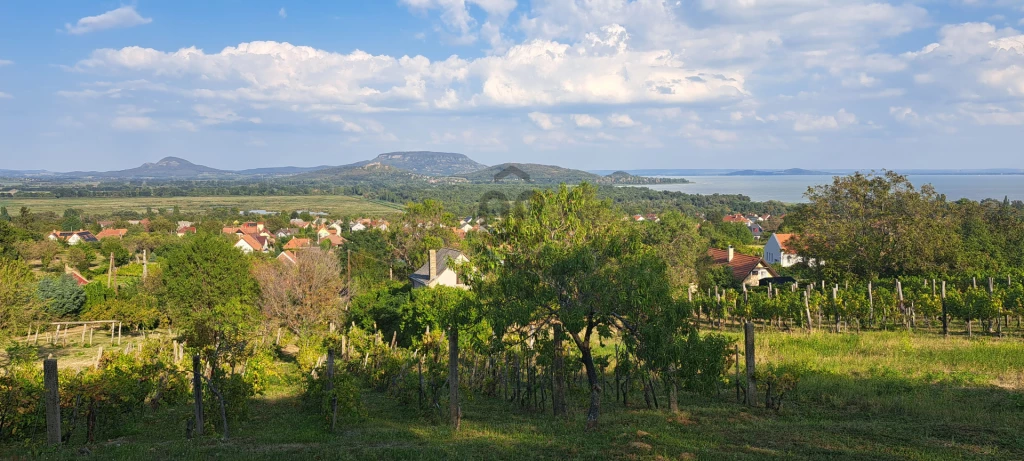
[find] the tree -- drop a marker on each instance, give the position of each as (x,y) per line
(80,257)
(9,236)
(72,220)
(3,214)
(114,245)
(18,302)
(566,259)
(210,292)
(62,295)
(875,226)
(302,296)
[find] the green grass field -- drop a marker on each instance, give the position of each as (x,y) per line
(870,396)
(325,203)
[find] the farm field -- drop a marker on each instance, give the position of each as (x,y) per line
(873,395)
(337,204)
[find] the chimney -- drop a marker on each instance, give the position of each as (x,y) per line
(433,265)
(732,252)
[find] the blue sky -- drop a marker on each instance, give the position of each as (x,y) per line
(593,84)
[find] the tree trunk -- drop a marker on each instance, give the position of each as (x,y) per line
(558,374)
(595,387)
(453,377)
(673,398)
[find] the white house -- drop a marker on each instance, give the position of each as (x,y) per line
(439,271)
(779,250)
(358,227)
(252,243)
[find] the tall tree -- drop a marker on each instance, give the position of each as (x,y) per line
(18,302)
(455,309)
(567,259)
(209,292)
(303,296)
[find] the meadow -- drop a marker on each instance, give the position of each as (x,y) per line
(335,204)
(873,395)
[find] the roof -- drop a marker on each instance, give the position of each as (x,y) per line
(742,265)
(254,242)
(186,230)
(422,275)
(335,239)
(78,277)
(297,243)
(784,241)
(736,218)
(111,233)
(287,257)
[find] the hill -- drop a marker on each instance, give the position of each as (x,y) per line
(429,163)
(532,172)
(362,171)
(166,168)
(621,177)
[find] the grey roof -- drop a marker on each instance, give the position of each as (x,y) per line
(422,275)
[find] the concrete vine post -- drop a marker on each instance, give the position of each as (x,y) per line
(51,386)
(748,334)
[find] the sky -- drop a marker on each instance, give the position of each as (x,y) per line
(590,84)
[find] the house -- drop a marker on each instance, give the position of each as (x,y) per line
(757,230)
(638,218)
(299,223)
(323,232)
(252,243)
(746,269)
(780,250)
(288,257)
(439,270)
(335,239)
(358,226)
(252,227)
(105,224)
(144,223)
(286,232)
(119,233)
(737,218)
(298,244)
(233,230)
(185,230)
(185,224)
(73,237)
(466,227)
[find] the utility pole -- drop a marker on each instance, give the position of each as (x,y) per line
(348,261)
(110,269)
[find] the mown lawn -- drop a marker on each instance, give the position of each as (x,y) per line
(876,395)
(325,203)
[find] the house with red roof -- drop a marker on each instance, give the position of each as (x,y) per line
(252,243)
(746,269)
(781,250)
(115,233)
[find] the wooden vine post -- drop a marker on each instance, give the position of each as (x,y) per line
(329,386)
(52,387)
(197,393)
(945,318)
(748,336)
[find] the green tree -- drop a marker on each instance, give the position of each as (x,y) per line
(3,214)
(875,226)
(567,259)
(72,220)
(455,309)
(62,295)
(209,292)
(18,303)
(114,245)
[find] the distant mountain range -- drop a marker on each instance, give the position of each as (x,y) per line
(802,172)
(391,166)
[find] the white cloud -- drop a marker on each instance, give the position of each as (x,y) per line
(621,121)
(5,95)
(993,114)
(903,113)
(125,16)
(345,125)
(216,115)
(4,62)
(133,123)
(282,13)
(809,122)
(586,121)
(544,121)
(456,16)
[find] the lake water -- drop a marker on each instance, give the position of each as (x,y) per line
(790,189)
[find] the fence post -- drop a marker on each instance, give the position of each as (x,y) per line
(329,385)
(748,334)
(52,401)
(945,319)
(197,392)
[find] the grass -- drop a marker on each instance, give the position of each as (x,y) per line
(873,395)
(326,203)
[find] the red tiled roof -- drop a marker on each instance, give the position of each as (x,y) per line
(335,239)
(253,241)
(297,243)
(119,233)
(742,265)
(287,257)
(736,218)
(785,240)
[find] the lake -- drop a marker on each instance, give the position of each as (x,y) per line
(790,189)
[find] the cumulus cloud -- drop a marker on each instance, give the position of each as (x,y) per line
(216,115)
(809,122)
(586,121)
(544,121)
(345,125)
(5,95)
(125,16)
(4,62)
(282,13)
(456,16)
(621,121)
